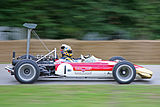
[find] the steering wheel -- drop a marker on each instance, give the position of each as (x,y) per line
(87,56)
(82,58)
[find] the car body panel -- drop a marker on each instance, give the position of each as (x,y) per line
(94,69)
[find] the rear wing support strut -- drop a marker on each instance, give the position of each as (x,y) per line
(29,26)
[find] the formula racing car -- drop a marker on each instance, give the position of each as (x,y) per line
(27,68)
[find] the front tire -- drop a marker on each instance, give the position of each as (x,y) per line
(26,71)
(124,72)
(117,58)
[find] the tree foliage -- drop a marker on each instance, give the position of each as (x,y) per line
(137,19)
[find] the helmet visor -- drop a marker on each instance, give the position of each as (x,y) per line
(69,51)
(62,47)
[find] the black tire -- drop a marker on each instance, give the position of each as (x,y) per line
(124,72)
(26,71)
(14,62)
(30,57)
(117,58)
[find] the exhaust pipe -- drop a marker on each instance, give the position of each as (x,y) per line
(14,55)
(14,61)
(10,70)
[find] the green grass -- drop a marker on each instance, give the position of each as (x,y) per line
(5,62)
(79,96)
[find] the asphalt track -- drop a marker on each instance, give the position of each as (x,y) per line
(7,79)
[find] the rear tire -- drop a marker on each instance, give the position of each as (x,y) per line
(29,57)
(124,72)
(26,71)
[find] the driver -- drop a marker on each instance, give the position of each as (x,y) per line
(63,47)
(66,54)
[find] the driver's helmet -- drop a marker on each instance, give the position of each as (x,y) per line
(63,47)
(67,52)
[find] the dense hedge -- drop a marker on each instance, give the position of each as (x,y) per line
(131,19)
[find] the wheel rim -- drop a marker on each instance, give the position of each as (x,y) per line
(124,73)
(27,72)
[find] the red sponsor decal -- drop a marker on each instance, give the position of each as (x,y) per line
(83,69)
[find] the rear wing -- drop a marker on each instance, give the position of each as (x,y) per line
(29,26)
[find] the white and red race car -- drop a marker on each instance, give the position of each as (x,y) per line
(28,68)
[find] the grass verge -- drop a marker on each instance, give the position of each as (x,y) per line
(5,63)
(79,96)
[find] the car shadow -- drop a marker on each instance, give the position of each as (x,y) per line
(86,82)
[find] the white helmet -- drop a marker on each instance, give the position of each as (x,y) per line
(63,47)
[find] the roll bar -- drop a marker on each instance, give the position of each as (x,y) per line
(55,55)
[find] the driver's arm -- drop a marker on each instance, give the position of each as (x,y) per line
(69,60)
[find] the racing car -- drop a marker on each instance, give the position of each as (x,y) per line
(27,68)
